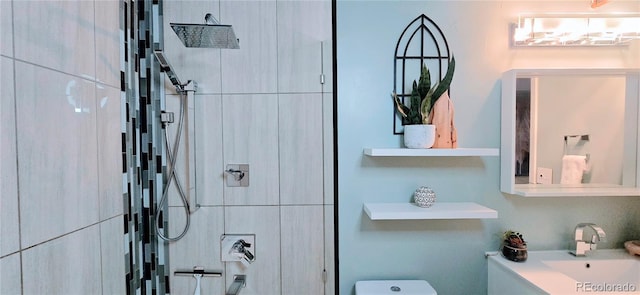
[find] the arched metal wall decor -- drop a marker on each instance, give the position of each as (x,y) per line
(421,43)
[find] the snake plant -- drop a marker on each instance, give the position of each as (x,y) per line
(423,96)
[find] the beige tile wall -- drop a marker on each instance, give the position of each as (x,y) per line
(250,136)
(61,152)
(7,28)
(9,228)
(57,163)
(253,68)
(300,134)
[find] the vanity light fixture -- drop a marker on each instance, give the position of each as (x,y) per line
(583,29)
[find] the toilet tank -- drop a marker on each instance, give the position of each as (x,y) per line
(394,287)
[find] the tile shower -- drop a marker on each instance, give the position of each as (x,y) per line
(72,93)
(262,105)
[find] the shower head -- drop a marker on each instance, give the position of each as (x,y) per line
(166,67)
(208,35)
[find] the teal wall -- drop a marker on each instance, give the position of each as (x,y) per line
(450,253)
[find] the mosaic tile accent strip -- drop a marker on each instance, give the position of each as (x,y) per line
(146,259)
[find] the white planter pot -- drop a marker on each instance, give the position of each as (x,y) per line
(419,136)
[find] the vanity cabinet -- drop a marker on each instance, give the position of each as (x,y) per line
(500,280)
(439,210)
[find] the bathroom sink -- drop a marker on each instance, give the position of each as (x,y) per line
(557,272)
(618,271)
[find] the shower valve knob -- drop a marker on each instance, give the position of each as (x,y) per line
(242,243)
(238,175)
(238,248)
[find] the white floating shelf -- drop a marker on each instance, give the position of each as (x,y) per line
(457,152)
(403,211)
(540,190)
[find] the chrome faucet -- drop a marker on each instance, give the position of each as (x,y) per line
(579,246)
(239,249)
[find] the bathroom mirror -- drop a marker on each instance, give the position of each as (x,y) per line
(570,132)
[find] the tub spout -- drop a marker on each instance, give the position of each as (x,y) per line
(239,281)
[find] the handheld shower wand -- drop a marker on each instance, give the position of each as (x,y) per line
(172,152)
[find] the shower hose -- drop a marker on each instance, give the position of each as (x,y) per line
(172,153)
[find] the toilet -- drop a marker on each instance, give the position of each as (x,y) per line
(394,287)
